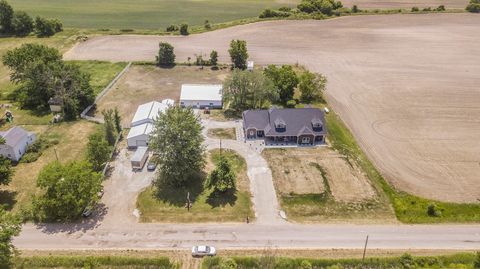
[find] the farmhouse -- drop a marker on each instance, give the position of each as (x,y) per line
(142,122)
(283,127)
(16,143)
(201,96)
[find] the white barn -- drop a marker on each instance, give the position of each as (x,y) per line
(139,135)
(16,143)
(201,96)
(142,122)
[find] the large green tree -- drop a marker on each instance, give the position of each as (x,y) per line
(98,150)
(177,142)
(473,6)
(238,54)
(10,226)
(323,6)
(223,177)
(67,189)
(109,126)
(248,89)
(285,81)
(6,16)
(6,171)
(47,27)
(166,55)
(22,23)
(311,86)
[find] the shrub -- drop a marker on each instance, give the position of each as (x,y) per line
(214,58)
(228,264)
(291,103)
(35,150)
(172,28)
(441,8)
(47,27)
(432,211)
(285,9)
(184,29)
(474,6)
(406,261)
(476,263)
(306,265)
(427,9)
(415,9)
(270,13)
(207,25)
(199,60)
(355,9)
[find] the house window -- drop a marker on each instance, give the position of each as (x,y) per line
(305,140)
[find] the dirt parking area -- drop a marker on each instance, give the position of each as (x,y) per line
(406,85)
(299,171)
(146,83)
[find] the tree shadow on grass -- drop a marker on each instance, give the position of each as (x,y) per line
(80,225)
(220,199)
(7,199)
(177,196)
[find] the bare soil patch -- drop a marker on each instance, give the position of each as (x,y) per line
(406,86)
(146,83)
(222,133)
(294,172)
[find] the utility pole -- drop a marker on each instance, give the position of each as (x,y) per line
(365,249)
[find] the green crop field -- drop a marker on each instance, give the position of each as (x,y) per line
(145,14)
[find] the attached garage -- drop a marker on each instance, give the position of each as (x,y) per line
(139,135)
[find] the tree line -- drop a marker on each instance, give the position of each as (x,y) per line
(19,23)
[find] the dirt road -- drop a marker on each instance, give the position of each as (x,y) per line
(406,85)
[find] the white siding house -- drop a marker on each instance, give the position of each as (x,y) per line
(16,143)
(201,96)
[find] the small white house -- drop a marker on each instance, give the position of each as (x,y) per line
(16,143)
(138,135)
(147,113)
(201,96)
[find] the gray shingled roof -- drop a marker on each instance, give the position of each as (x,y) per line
(298,121)
(14,135)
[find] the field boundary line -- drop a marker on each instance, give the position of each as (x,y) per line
(84,113)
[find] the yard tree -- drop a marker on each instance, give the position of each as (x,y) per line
(47,27)
(6,172)
(98,150)
(285,81)
(177,142)
(10,226)
(238,54)
(166,56)
(244,90)
(222,178)
(184,29)
(109,126)
(311,86)
(117,119)
(67,189)
(22,23)
(473,6)
(323,6)
(6,16)
(214,58)
(21,59)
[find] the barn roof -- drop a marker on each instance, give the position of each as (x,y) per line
(201,92)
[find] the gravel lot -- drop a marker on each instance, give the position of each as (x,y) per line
(406,85)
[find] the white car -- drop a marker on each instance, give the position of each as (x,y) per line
(202,251)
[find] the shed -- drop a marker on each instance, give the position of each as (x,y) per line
(201,95)
(138,135)
(139,158)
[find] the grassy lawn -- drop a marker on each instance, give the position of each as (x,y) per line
(223,115)
(222,133)
(101,72)
(168,205)
(145,14)
(72,138)
(408,208)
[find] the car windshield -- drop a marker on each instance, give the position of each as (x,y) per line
(203,249)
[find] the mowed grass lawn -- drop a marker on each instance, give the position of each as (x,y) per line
(145,14)
(169,205)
